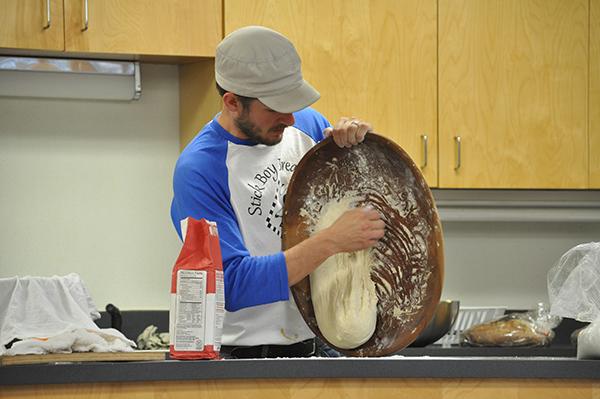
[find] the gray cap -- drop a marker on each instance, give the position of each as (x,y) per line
(258,62)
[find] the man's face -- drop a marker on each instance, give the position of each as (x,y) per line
(262,124)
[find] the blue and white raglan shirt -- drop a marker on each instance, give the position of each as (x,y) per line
(241,185)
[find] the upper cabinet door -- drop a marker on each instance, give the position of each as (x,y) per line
(171,28)
(32,24)
(513,78)
(375,60)
(595,94)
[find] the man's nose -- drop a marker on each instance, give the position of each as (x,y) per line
(287,119)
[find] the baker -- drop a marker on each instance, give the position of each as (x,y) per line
(235,172)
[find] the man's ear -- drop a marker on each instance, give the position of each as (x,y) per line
(232,104)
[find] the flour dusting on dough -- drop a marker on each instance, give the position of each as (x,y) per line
(343,294)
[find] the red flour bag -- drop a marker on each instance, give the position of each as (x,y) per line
(197,293)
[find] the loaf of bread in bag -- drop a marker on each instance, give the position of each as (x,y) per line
(507,331)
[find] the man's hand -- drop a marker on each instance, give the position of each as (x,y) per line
(356,229)
(348,131)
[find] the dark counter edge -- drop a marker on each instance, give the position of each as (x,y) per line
(173,370)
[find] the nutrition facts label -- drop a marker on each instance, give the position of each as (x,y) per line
(191,307)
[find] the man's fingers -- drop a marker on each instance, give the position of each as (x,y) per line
(372,214)
(339,140)
(348,132)
(352,133)
(360,135)
(375,235)
(379,225)
(362,128)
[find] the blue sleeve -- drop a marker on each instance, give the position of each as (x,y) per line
(201,191)
(312,123)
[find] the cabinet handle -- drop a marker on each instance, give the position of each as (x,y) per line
(48,20)
(457,141)
(86,16)
(425,141)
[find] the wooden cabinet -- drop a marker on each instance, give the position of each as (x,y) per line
(172,28)
(371,59)
(518,81)
(32,24)
(301,388)
(594,107)
(189,28)
(513,78)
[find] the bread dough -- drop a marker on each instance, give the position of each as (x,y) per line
(343,294)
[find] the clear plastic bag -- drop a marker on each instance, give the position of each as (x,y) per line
(574,283)
(588,341)
(533,328)
(574,291)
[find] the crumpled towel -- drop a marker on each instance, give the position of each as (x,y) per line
(80,340)
(150,338)
(45,307)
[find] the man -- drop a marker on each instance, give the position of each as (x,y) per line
(236,171)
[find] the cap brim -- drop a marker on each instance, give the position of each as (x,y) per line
(293,100)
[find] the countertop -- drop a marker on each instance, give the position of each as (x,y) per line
(412,363)
(557,361)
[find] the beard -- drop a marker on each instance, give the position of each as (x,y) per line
(254,133)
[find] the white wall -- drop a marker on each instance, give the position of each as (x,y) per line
(86,186)
(500,244)
(505,264)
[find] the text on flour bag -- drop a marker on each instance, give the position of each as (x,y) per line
(197,293)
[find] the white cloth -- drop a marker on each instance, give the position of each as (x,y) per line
(44,307)
(80,340)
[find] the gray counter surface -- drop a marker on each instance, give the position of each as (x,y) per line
(389,367)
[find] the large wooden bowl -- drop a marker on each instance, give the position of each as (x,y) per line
(408,263)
